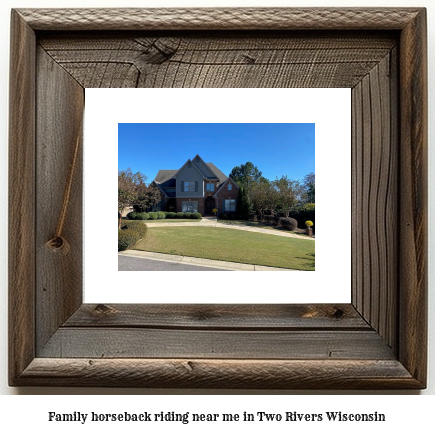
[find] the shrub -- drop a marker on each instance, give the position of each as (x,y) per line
(305,212)
(126,238)
(153,215)
(180,215)
(187,215)
(131,215)
(196,215)
(223,216)
(171,215)
(268,219)
(139,227)
(288,223)
(138,215)
(161,215)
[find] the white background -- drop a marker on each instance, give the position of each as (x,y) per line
(408,413)
(329,109)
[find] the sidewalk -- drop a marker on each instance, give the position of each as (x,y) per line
(234,266)
(212,222)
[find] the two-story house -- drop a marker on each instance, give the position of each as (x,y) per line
(196,187)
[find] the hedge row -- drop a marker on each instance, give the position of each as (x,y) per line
(146,215)
(130,234)
(161,215)
(284,222)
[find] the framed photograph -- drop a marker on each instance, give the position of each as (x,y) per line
(376,341)
(200,126)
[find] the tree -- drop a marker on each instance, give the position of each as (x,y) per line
(309,189)
(243,206)
(129,184)
(288,193)
(246,175)
(260,195)
(147,197)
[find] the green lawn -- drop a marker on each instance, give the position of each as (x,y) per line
(231,245)
(172,221)
(258,225)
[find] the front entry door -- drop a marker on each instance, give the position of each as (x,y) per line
(209,205)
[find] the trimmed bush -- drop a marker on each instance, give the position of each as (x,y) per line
(127,238)
(171,215)
(288,223)
(223,216)
(132,215)
(161,215)
(180,215)
(304,212)
(139,227)
(187,215)
(153,215)
(196,215)
(138,215)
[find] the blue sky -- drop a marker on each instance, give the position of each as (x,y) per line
(276,149)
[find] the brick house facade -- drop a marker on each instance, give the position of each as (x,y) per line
(196,187)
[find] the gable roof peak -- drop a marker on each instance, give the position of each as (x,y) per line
(185,164)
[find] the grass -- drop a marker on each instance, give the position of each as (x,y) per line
(258,225)
(172,221)
(230,245)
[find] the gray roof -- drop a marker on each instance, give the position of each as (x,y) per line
(164,175)
(165,178)
(219,174)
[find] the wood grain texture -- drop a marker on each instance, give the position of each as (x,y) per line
(270,317)
(375,204)
(250,374)
(413,198)
(60,105)
(236,60)
(22,191)
(146,342)
(220,18)
(379,342)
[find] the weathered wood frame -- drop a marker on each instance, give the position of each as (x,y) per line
(377,341)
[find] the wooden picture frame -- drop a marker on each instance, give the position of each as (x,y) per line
(376,342)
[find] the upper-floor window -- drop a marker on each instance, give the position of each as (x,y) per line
(189,185)
(230,186)
(210,187)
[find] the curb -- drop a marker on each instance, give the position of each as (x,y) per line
(211,263)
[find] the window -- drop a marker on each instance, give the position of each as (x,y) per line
(230,187)
(229,205)
(210,187)
(157,207)
(189,186)
(189,206)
